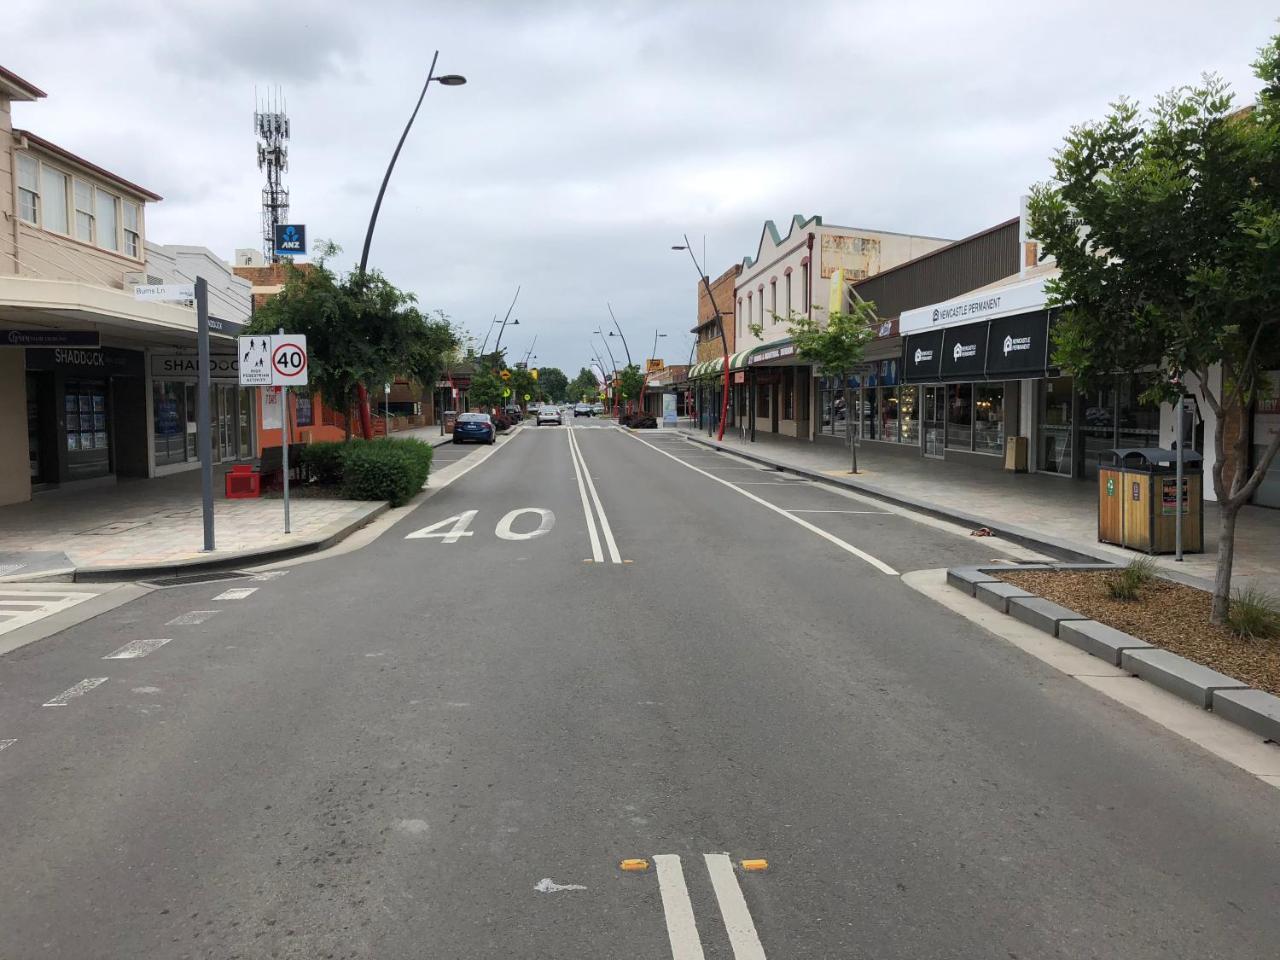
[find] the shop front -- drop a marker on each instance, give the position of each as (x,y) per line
(174,386)
(86,415)
(779,389)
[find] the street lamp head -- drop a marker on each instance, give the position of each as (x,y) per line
(452,80)
(613,333)
(515,322)
(678,246)
(662,334)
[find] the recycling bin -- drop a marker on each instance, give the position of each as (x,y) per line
(1138,499)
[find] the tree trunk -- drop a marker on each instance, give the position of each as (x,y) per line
(1226,554)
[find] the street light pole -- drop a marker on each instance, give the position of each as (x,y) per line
(448,80)
(487,333)
(620,333)
(724,341)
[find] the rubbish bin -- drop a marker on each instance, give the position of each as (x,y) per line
(450,418)
(1138,499)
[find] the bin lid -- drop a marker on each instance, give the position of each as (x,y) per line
(1152,457)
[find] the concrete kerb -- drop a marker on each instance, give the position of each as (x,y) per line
(1234,700)
(1015,534)
(230,561)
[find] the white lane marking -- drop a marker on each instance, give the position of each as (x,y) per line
(878,513)
(191,617)
(831,538)
(457,527)
(236,593)
(682,930)
(733,908)
(546,520)
(595,499)
(21,607)
(547,885)
(269,574)
(135,649)
(596,553)
(7,743)
(79,690)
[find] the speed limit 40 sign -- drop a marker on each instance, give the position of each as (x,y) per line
(289,360)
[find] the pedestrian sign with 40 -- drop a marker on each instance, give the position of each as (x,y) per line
(278,360)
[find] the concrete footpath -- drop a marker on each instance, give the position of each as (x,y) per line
(139,528)
(1040,511)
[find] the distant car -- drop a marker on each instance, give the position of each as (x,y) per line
(582,410)
(515,414)
(550,414)
(474,428)
(597,408)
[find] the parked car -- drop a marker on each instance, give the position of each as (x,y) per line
(474,428)
(597,409)
(514,413)
(549,414)
(582,410)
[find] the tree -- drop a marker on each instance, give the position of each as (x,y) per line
(431,346)
(630,382)
(554,383)
(360,328)
(522,384)
(835,350)
(485,390)
(584,387)
(1167,233)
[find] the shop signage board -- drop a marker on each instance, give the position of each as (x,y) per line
(669,417)
(223,366)
(997,302)
(964,352)
(272,410)
(88,362)
(290,239)
(1018,345)
(923,357)
(49,339)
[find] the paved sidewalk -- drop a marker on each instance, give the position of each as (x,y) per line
(136,523)
(1048,509)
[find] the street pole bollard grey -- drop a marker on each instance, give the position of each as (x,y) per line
(284,446)
(204,438)
(1177,510)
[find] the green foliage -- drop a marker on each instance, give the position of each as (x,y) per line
(360,328)
(324,461)
(522,382)
(1254,614)
(554,383)
(1126,584)
(585,387)
(630,382)
(486,389)
(386,469)
(837,347)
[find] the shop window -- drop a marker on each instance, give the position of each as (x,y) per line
(169,420)
(959,416)
(53,187)
(132,228)
(84,210)
(888,426)
(773,299)
(988,418)
(762,400)
(1137,422)
(788,292)
(909,414)
(305,412)
(1053,435)
(804,288)
(869,413)
(28,188)
(788,395)
(107,220)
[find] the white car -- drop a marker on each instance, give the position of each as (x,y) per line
(550,414)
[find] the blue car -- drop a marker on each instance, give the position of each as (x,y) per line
(474,427)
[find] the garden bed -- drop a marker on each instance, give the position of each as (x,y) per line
(1166,614)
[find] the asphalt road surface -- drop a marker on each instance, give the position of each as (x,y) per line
(595,646)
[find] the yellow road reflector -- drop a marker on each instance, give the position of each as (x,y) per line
(755,864)
(634,864)
(626,561)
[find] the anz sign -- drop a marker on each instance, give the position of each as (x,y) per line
(291,240)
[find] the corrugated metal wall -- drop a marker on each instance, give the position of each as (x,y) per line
(965,265)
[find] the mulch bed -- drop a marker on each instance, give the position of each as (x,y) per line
(309,491)
(1166,614)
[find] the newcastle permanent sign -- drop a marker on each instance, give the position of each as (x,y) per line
(982,305)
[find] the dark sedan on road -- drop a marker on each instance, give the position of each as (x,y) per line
(474,428)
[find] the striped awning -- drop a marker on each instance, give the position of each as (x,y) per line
(708,368)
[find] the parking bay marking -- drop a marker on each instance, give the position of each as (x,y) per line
(135,649)
(190,618)
(236,593)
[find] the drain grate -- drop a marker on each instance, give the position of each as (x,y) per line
(186,580)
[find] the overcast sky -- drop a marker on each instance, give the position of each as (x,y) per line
(591,135)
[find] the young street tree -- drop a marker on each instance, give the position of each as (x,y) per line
(359,329)
(630,382)
(585,386)
(555,385)
(835,350)
(1167,233)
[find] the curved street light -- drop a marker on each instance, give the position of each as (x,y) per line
(724,341)
(621,335)
(448,80)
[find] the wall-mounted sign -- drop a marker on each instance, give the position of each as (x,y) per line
(996,302)
(964,352)
(47,339)
(923,357)
(291,240)
(81,362)
(777,353)
(180,292)
(170,366)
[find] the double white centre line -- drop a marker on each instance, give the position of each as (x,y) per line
(585,485)
(682,929)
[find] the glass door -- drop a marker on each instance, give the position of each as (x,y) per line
(1054,433)
(246,430)
(934,420)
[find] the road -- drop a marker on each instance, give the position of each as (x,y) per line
(443,745)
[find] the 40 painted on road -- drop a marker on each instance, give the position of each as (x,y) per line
(452,529)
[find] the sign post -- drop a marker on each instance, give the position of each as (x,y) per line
(186,293)
(1185,405)
(276,361)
